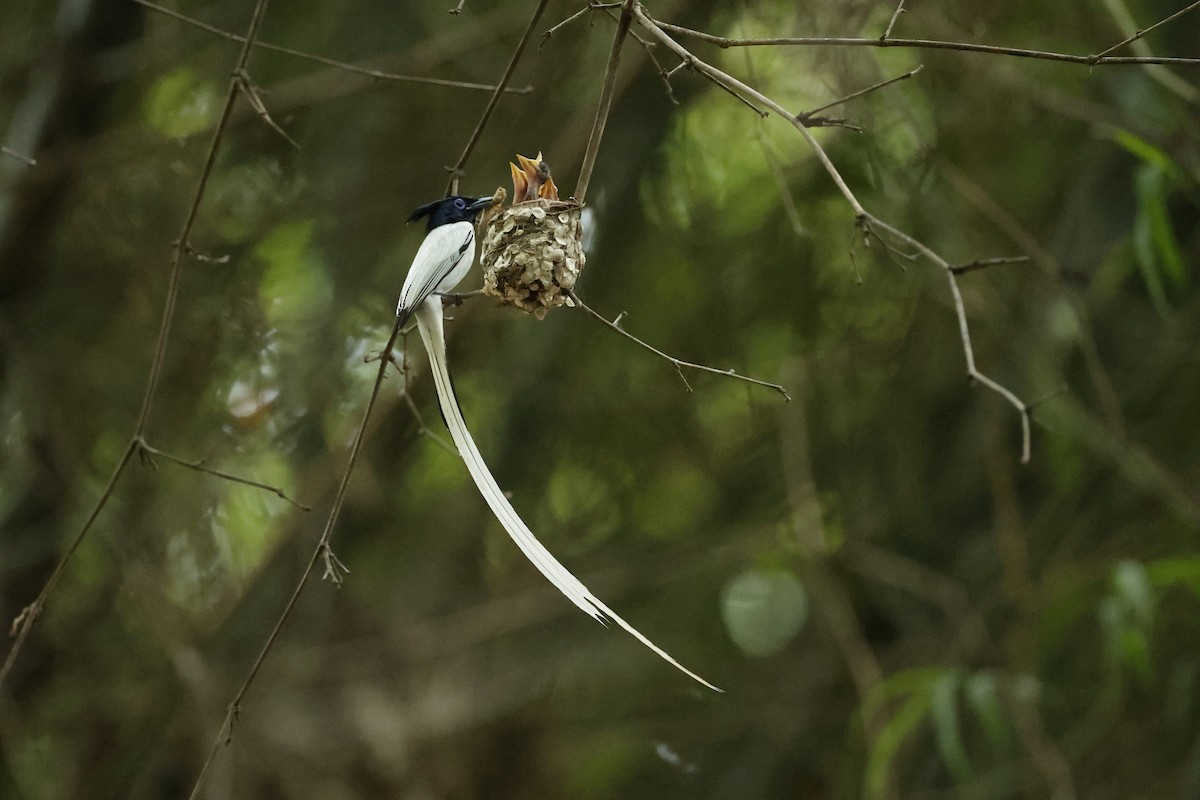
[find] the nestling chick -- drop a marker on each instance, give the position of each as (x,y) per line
(532,180)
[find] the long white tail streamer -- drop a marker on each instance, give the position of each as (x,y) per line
(429,321)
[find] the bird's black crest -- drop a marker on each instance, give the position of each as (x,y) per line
(454,208)
(424,211)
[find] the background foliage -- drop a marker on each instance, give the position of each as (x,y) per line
(895,606)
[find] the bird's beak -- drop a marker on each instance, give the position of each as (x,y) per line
(520,182)
(530,166)
(480,203)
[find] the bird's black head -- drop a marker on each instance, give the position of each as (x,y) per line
(451,209)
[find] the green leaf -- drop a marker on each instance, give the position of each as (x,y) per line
(1144,150)
(947,732)
(1155,248)
(899,726)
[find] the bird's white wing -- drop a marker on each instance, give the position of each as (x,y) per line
(429,321)
(442,261)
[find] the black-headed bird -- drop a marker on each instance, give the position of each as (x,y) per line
(442,261)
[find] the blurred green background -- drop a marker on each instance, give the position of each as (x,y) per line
(895,606)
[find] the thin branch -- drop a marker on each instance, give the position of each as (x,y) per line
(887,32)
(553,29)
(1142,32)
(252,94)
(23,624)
(328,62)
(25,621)
(8,151)
(458,8)
(606,96)
(591,6)
(805,116)
(679,364)
(984,263)
(425,430)
(965,334)
(334,569)
(919,44)
(457,170)
(200,466)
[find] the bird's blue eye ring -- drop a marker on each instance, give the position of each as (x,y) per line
(459,203)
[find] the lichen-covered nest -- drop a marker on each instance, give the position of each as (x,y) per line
(532,255)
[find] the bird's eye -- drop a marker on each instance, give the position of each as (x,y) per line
(459,203)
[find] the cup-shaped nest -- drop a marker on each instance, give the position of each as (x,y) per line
(532,255)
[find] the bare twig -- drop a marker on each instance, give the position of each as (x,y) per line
(591,6)
(965,334)
(334,569)
(328,62)
(606,95)
(679,364)
(806,116)
(553,29)
(862,217)
(8,151)
(1143,31)
(181,248)
(200,466)
(252,92)
(918,44)
(458,8)
(984,263)
(425,430)
(887,32)
(457,170)
(458,298)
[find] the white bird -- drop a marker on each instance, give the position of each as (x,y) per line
(443,260)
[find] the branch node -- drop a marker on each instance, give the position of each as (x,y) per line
(26,618)
(235,716)
(335,570)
